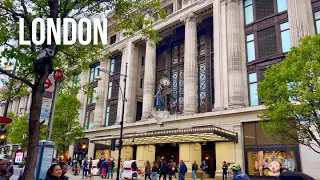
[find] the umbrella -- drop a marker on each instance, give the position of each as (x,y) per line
(291,175)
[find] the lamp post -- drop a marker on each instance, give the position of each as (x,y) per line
(122,113)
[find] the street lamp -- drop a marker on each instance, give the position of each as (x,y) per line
(98,78)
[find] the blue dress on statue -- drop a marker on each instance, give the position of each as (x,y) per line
(159,103)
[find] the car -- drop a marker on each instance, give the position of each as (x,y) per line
(130,170)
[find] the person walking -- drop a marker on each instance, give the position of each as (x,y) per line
(194,170)
(147,170)
(183,170)
(155,170)
(174,169)
(64,172)
(104,167)
(4,174)
(224,170)
(99,166)
(9,167)
(237,173)
(204,168)
(109,162)
(164,170)
(170,171)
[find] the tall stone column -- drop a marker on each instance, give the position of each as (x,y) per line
(235,75)
(71,150)
(149,80)
(84,78)
(99,111)
(121,83)
(91,148)
(132,81)
(300,20)
(190,64)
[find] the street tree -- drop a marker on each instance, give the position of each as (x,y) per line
(291,93)
(66,126)
(18,130)
(128,16)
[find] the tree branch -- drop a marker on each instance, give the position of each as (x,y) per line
(5,72)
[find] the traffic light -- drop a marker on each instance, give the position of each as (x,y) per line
(3,137)
(113,145)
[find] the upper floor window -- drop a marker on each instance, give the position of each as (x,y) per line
(113,39)
(285,37)
(259,9)
(251,52)
(317,19)
(94,71)
(169,9)
(267,42)
(253,89)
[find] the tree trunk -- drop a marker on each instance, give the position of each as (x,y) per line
(34,128)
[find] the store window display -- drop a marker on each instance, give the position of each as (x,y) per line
(269,163)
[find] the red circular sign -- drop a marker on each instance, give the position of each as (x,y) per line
(58,75)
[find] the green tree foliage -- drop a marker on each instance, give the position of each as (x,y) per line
(129,16)
(291,93)
(18,130)
(66,126)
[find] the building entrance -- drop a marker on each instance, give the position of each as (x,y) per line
(167,152)
(209,155)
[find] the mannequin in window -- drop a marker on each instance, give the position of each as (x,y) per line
(158,96)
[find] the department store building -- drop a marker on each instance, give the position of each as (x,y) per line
(211,57)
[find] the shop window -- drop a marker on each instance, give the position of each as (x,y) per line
(268,163)
(113,39)
(251,52)
(317,19)
(248,11)
(253,89)
(285,37)
(267,42)
(282,5)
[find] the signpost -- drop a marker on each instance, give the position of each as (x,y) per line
(44,159)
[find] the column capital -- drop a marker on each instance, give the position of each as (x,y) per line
(191,17)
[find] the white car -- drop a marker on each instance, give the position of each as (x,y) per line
(130,170)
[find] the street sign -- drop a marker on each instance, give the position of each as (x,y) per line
(44,159)
(45,110)
(49,84)
(58,75)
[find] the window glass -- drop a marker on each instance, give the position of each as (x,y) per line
(284,26)
(317,15)
(262,138)
(254,94)
(267,42)
(268,163)
(318,26)
(249,14)
(249,133)
(107,116)
(285,40)
(282,5)
(94,95)
(96,71)
(110,90)
(91,118)
(253,77)
(251,51)
(247,2)
(250,37)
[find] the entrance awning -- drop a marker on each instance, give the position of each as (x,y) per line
(195,134)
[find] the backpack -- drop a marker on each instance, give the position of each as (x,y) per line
(242,176)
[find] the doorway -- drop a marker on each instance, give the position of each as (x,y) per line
(209,155)
(167,152)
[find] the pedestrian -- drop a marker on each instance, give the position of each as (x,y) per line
(194,170)
(161,164)
(4,174)
(155,170)
(69,161)
(174,168)
(109,169)
(164,170)
(99,166)
(237,173)
(204,168)
(54,172)
(224,170)
(64,172)
(183,170)
(9,167)
(104,167)
(85,169)
(147,170)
